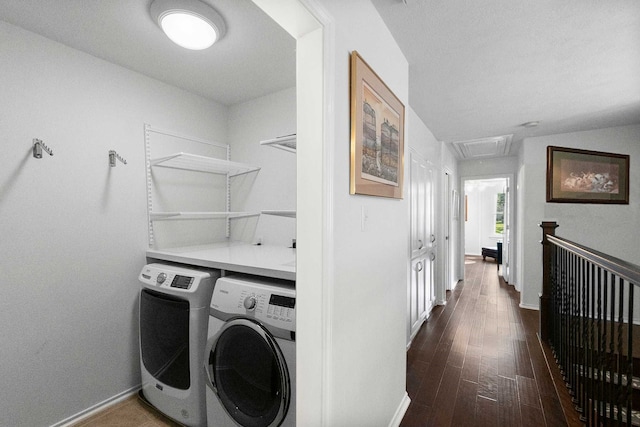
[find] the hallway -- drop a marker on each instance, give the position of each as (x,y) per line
(477,360)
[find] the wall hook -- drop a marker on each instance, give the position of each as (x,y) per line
(38,146)
(112,158)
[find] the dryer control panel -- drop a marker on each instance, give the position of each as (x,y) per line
(192,284)
(271,302)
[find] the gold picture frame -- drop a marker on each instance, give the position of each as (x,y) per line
(377,134)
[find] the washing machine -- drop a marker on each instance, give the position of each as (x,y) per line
(250,358)
(174,316)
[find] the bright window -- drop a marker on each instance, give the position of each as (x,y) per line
(499,222)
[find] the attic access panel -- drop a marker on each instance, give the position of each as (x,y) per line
(497,146)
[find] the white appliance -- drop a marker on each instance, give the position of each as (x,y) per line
(251,354)
(174,316)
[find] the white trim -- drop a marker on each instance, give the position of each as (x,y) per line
(98,407)
(303,19)
(529,307)
(513,207)
(402,409)
(328,261)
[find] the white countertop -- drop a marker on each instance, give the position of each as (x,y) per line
(263,260)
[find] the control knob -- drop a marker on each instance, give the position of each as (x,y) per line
(161,278)
(250,303)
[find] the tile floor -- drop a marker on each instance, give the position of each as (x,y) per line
(128,413)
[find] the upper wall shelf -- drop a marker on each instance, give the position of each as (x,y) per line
(287,143)
(194,162)
(289,214)
(167,216)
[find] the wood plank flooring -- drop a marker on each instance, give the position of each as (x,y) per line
(477,361)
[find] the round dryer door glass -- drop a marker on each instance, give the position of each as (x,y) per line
(249,374)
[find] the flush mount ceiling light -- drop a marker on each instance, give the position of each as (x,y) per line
(188,23)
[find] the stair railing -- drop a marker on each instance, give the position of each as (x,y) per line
(588,306)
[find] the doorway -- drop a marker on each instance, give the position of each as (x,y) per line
(488,218)
(312,28)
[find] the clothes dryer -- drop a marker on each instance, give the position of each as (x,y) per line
(250,358)
(174,316)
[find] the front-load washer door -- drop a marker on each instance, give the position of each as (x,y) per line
(164,338)
(248,373)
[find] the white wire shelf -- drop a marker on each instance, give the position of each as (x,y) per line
(286,143)
(170,216)
(194,162)
(289,214)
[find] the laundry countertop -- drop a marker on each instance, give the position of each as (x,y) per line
(263,260)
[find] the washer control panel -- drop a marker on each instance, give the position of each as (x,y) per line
(272,302)
(164,276)
(190,284)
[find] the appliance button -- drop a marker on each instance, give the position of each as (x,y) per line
(161,278)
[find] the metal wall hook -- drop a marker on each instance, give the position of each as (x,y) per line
(38,146)
(112,158)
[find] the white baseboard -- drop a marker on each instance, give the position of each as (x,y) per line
(402,409)
(101,406)
(530,306)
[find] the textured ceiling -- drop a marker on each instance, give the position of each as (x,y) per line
(483,68)
(255,57)
(478,69)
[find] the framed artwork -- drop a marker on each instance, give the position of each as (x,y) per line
(377,134)
(582,176)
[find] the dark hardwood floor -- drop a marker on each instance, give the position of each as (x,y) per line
(477,361)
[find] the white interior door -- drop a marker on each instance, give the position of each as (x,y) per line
(431,243)
(421,284)
(506,231)
(418,202)
(446,254)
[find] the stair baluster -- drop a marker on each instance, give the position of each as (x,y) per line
(587,318)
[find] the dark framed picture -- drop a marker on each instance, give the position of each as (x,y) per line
(377,134)
(583,176)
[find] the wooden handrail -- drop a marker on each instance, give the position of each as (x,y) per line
(628,271)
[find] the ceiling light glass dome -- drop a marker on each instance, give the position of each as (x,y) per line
(188,23)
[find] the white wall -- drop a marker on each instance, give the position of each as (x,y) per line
(611,229)
(365,379)
(454,266)
(488,167)
(422,139)
(274,186)
(74,230)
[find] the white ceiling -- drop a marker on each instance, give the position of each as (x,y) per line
(478,69)
(483,68)
(256,56)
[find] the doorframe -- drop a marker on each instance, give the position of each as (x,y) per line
(314,30)
(512,221)
(446,232)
